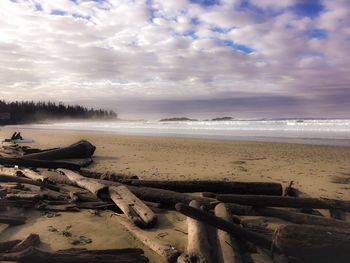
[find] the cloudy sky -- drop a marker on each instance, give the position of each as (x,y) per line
(244,58)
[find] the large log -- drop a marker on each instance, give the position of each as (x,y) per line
(34,254)
(26,162)
(314,244)
(16,179)
(162,196)
(169,253)
(227,244)
(134,209)
(81,149)
(94,186)
(222,187)
(8,245)
(284,201)
(17,203)
(198,248)
(223,225)
(12,220)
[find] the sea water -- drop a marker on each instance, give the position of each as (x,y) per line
(308,131)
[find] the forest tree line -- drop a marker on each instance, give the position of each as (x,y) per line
(20,112)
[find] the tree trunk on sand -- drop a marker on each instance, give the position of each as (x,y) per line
(132,207)
(258,188)
(12,220)
(8,245)
(37,163)
(16,179)
(93,186)
(147,193)
(168,252)
(198,248)
(33,254)
(81,149)
(227,244)
(223,225)
(29,241)
(284,201)
(314,244)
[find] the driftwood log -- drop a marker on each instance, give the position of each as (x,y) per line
(169,253)
(7,246)
(34,254)
(223,225)
(12,220)
(16,179)
(134,209)
(26,162)
(227,245)
(222,187)
(81,149)
(284,201)
(198,248)
(29,241)
(314,244)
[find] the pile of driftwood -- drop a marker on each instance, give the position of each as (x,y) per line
(37,179)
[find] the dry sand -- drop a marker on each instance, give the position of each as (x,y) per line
(320,171)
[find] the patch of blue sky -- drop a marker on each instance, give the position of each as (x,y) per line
(220,29)
(310,9)
(119,82)
(206,3)
(38,7)
(240,47)
(317,33)
(195,21)
(258,12)
(81,16)
(190,33)
(58,12)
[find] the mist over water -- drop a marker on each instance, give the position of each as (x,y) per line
(321,132)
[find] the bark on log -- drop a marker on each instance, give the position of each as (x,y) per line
(223,225)
(314,244)
(12,220)
(285,201)
(29,241)
(81,149)
(168,252)
(30,174)
(198,248)
(37,163)
(8,245)
(33,254)
(17,203)
(227,244)
(93,186)
(16,179)
(259,188)
(132,207)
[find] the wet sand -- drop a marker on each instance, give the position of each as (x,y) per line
(320,171)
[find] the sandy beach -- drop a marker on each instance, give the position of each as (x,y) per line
(320,171)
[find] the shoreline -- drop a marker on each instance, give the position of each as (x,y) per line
(235,138)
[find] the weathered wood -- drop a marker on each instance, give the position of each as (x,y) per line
(198,248)
(58,208)
(301,218)
(223,225)
(30,174)
(168,252)
(8,245)
(314,244)
(222,187)
(284,201)
(16,179)
(23,196)
(37,163)
(134,209)
(261,257)
(81,149)
(17,203)
(94,186)
(12,220)
(162,196)
(29,241)
(34,254)
(227,244)
(82,162)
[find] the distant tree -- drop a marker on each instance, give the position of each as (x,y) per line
(29,112)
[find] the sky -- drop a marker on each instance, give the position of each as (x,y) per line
(157,58)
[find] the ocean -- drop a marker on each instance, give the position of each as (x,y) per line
(307,131)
